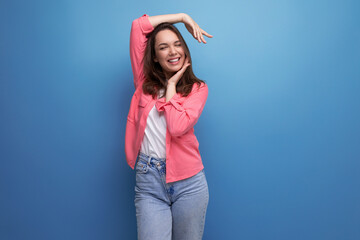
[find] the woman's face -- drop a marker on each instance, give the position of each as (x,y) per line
(169,52)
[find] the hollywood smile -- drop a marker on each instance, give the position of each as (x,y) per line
(174,61)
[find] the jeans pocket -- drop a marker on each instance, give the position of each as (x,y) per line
(141,167)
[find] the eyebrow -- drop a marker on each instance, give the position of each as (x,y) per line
(166,43)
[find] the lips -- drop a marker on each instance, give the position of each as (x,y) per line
(174,61)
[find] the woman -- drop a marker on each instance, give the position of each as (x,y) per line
(171,192)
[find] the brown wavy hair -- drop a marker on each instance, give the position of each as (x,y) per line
(154,77)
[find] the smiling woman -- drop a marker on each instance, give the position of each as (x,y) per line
(171,191)
(165,43)
(169,52)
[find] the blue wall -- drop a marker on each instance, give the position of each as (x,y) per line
(279,135)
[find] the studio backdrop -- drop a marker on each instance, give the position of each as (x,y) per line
(279,135)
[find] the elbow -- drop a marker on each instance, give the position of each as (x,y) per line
(177,131)
(135,24)
(134,21)
(181,126)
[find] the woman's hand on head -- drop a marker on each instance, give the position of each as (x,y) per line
(177,76)
(194,29)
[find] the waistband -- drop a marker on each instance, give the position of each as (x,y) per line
(150,159)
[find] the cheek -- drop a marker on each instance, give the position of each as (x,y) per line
(159,56)
(183,58)
(162,58)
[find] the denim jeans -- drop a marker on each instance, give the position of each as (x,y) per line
(168,211)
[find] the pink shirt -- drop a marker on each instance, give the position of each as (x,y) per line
(183,158)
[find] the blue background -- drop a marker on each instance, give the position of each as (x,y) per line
(279,135)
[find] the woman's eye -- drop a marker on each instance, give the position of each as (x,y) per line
(179,45)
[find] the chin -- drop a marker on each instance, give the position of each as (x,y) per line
(173,70)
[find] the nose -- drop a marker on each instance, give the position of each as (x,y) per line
(172,50)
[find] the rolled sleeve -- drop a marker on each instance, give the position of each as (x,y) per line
(181,115)
(174,101)
(145,24)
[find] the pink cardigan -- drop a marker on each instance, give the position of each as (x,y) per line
(183,158)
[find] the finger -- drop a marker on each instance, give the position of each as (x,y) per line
(195,32)
(196,28)
(199,35)
(206,34)
(202,37)
(185,66)
(202,32)
(191,29)
(181,71)
(186,62)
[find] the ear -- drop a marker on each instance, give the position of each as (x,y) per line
(156,60)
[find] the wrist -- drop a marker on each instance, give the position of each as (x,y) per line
(182,16)
(171,84)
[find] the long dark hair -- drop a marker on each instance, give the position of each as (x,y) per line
(154,76)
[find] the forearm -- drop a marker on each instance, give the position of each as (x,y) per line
(182,115)
(170,91)
(171,18)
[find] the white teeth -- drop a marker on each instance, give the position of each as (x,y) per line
(174,60)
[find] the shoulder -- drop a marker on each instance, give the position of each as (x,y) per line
(199,87)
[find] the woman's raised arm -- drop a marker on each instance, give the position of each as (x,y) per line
(171,18)
(190,24)
(146,24)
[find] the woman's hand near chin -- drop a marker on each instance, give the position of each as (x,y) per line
(177,76)
(171,83)
(194,28)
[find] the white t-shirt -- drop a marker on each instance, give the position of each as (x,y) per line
(154,141)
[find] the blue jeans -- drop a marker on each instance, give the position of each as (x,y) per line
(168,211)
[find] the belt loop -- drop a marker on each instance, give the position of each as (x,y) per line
(149,160)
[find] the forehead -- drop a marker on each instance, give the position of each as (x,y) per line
(166,36)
